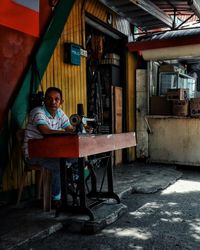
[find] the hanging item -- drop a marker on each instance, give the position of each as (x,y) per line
(97,47)
(95,103)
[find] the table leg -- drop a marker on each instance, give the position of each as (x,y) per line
(63,181)
(81,164)
(108,194)
(110,182)
(110,176)
(78,208)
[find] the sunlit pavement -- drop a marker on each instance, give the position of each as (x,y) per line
(166,219)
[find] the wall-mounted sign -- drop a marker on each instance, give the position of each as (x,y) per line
(72,53)
(83,52)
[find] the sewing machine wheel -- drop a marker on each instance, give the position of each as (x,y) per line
(75,119)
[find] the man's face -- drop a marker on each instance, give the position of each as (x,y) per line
(53,101)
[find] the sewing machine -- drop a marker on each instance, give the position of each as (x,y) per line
(84,124)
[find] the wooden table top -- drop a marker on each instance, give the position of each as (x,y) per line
(74,146)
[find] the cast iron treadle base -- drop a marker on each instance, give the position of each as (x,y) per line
(111,195)
(76,210)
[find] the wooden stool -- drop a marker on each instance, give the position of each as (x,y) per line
(42,177)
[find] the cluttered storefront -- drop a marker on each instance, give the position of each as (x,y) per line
(171,110)
(166,41)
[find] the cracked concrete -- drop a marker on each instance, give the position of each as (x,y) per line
(29,224)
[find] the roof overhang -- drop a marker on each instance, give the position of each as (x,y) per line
(151,15)
(141,13)
(164,16)
(195,6)
(185,53)
(170,45)
(150,8)
(166,43)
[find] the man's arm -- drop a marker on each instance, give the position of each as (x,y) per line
(45,130)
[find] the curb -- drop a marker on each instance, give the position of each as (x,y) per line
(79,224)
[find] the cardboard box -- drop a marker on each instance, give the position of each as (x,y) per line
(180,108)
(110,61)
(160,106)
(177,94)
(112,56)
(168,68)
(195,107)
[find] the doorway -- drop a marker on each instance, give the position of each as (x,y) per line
(106,82)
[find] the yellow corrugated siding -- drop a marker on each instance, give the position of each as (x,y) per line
(71,79)
(130,99)
(96,9)
(14,169)
(100,11)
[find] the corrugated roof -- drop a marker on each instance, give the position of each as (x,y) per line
(155,14)
(173,34)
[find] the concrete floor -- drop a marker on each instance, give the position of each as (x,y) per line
(22,226)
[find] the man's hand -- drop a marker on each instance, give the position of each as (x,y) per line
(70,129)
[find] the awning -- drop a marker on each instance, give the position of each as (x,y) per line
(181,52)
(170,45)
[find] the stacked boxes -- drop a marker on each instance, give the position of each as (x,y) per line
(168,68)
(160,106)
(179,98)
(111,58)
(195,107)
(171,68)
(177,94)
(180,108)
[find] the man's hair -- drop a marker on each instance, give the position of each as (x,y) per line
(50,89)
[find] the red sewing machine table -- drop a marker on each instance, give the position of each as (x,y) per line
(80,146)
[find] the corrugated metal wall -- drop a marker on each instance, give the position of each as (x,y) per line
(100,12)
(14,170)
(70,78)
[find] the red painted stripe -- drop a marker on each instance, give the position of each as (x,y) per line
(20,18)
(165,43)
